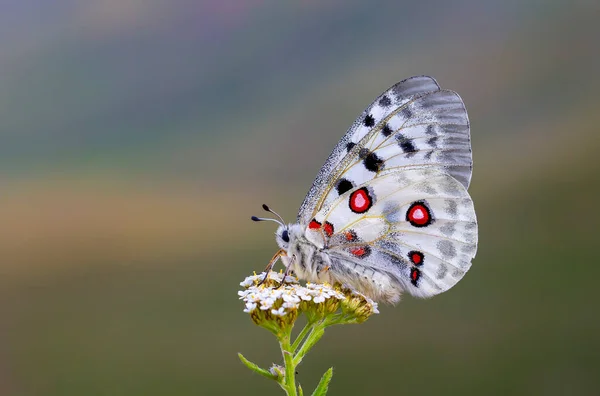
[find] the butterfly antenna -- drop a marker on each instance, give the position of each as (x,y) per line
(265,207)
(254,218)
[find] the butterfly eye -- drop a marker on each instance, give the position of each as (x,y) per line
(285,236)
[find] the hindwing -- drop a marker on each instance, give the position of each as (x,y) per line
(417,226)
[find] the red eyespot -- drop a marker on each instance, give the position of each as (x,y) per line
(360,201)
(415,275)
(350,236)
(361,252)
(416,257)
(328,228)
(418,215)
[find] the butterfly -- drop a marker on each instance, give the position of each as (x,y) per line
(389,211)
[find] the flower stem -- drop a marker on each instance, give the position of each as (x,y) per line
(301,336)
(289,381)
(318,329)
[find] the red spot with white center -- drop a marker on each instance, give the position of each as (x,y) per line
(416,257)
(360,201)
(418,215)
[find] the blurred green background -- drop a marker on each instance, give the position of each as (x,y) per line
(137,137)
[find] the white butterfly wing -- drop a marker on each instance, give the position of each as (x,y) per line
(413,124)
(415,226)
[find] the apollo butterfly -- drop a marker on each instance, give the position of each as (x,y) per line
(389,210)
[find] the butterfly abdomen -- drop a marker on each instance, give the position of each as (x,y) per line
(372,282)
(314,262)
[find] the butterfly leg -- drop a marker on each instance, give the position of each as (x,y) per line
(269,266)
(285,274)
(287,271)
(323,273)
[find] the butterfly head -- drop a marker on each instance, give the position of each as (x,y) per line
(282,236)
(284,233)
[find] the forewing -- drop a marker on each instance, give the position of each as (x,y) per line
(416,225)
(414,124)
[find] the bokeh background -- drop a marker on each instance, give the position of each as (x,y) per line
(137,137)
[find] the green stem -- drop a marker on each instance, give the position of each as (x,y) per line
(301,336)
(314,336)
(289,381)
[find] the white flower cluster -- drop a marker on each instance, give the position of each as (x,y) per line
(291,294)
(253,280)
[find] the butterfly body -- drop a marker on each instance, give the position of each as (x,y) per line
(389,212)
(315,263)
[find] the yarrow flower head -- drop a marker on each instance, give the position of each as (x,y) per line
(275,303)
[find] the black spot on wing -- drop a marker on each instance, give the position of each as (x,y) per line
(350,146)
(386,130)
(385,101)
(433,141)
(407,113)
(406,144)
(369,121)
(344,185)
(373,163)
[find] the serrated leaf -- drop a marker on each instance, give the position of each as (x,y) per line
(324,383)
(254,367)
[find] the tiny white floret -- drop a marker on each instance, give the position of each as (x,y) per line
(278,312)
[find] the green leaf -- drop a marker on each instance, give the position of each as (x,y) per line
(254,367)
(300,391)
(324,383)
